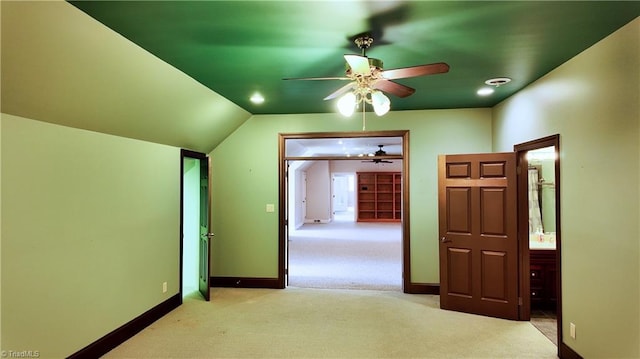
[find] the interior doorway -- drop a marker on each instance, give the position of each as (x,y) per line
(190,224)
(288,156)
(343,196)
(195,224)
(333,250)
(540,245)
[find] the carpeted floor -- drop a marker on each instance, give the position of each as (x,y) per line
(329,323)
(304,321)
(345,254)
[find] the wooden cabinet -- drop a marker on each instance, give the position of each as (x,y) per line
(379,196)
(543,279)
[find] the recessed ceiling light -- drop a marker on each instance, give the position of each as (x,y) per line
(498,81)
(257,98)
(485,91)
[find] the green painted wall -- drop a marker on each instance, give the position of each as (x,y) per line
(593,102)
(245,179)
(90,230)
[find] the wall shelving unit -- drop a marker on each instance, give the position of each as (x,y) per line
(379,196)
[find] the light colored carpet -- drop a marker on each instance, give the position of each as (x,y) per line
(346,255)
(321,323)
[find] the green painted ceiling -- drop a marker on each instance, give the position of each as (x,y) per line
(238,47)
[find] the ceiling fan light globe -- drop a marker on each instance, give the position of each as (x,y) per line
(347,104)
(381,103)
(381,110)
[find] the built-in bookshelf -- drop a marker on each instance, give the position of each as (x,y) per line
(379,196)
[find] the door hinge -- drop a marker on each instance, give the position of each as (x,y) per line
(520,301)
(518,170)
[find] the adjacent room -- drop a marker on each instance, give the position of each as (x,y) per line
(342,242)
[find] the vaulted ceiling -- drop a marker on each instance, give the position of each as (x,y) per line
(238,48)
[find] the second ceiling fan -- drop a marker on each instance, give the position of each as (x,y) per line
(368,80)
(377,156)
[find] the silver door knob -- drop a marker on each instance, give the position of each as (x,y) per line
(444,240)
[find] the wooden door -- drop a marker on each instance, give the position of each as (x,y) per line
(477,206)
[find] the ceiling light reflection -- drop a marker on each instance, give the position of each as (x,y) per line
(257,98)
(485,91)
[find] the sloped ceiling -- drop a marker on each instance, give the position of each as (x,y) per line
(61,66)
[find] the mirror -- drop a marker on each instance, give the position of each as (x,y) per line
(542,198)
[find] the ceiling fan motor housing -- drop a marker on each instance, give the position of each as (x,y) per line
(363,42)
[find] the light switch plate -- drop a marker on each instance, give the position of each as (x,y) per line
(572,330)
(271,207)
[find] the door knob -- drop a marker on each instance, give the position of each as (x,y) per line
(444,240)
(210,235)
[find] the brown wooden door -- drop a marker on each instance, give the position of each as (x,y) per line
(477,206)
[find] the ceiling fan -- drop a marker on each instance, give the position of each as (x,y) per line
(379,153)
(368,80)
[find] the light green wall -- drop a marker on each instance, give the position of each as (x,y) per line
(90,230)
(592,101)
(245,179)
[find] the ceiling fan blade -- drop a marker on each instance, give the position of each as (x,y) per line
(359,64)
(377,161)
(342,90)
(413,71)
(394,88)
(316,78)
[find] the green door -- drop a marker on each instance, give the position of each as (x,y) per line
(204,255)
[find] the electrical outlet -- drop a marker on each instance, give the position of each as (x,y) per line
(164,287)
(572,330)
